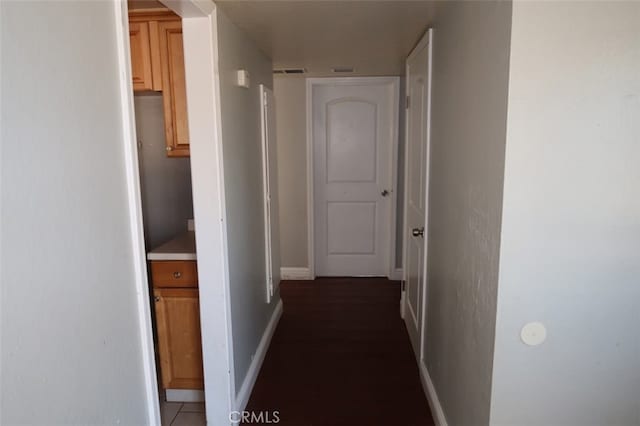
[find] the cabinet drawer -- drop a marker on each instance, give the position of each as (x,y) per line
(174,273)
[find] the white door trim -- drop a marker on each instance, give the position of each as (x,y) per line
(143,299)
(265,188)
(427,39)
(311,82)
(207,177)
(269,170)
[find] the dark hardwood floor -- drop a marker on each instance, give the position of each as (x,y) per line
(341,356)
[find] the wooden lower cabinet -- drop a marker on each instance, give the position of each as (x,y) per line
(174,273)
(179,342)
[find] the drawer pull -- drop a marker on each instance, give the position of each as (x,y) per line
(177,275)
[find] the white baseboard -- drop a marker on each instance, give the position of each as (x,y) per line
(250,379)
(184,395)
(287,273)
(434,403)
(397,274)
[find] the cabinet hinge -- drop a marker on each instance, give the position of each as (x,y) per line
(407,102)
(403,285)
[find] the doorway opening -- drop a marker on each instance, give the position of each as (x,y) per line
(162,207)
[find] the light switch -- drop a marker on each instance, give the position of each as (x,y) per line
(533,333)
(243,79)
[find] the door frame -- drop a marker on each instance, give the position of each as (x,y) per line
(134,202)
(203,102)
(425,41)
(267,187)
(331,81)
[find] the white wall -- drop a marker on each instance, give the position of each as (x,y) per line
(291,98)
(71,351)
(571,223)
(165,182)
(244,199)
(470,78)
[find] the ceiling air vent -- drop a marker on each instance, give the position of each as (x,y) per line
(342,70)
(290,71)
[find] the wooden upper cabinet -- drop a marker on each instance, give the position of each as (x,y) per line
(145,56)
(157,62)
(140,56)
(175,93)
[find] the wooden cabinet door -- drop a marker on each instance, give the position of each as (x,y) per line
(145,56)
(179,342)
(174,88)
(141,69)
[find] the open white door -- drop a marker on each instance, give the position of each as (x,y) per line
(416,190)
(270,168)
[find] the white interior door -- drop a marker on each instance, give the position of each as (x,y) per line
(354,129)
(416,192)
(270,169)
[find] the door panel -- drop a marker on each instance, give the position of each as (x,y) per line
(416,184)
(270,170)
(351,133)
(352,228)
(354,123)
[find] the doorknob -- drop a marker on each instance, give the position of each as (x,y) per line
(418,232)
(384,193)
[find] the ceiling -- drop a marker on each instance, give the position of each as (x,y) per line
(373,37)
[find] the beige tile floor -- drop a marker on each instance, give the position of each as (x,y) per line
(182,413)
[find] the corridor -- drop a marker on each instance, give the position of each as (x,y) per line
(341,356)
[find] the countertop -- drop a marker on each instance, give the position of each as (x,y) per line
(182,247)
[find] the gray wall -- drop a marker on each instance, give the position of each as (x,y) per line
(71,349)
(291,104)
(244,198)
(167,201)
(571,223)
(291,129)
(470,78)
